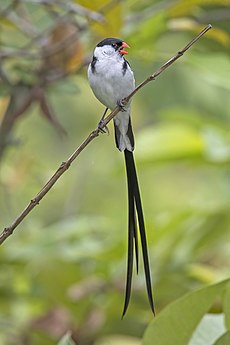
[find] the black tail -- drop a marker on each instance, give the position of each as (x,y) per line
(135,207)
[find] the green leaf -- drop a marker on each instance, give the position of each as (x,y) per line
(181,8)
(118,340)
(204,64)
(226,306)
(177,322)
(209,330)
(66,340)
(142,41)
(224,340)
(112,14)
(169,141)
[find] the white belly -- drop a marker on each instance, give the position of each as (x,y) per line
(111,85)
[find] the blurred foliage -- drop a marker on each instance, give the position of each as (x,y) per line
(62,273)
(193,306)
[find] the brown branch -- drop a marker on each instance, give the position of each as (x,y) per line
(65,165)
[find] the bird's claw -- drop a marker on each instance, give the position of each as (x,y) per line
(121,105)
(103,129)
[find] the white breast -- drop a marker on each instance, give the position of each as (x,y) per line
(109,82)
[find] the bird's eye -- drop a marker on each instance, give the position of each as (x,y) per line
(114,45)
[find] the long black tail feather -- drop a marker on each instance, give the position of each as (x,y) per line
(132,240)
(135,206)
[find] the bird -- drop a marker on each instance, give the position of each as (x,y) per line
(111,80)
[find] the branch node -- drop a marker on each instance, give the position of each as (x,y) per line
(95,133)
(34,201)
(6,232)
(65,165)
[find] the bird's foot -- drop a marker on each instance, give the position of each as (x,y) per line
(121,105)
(102,128)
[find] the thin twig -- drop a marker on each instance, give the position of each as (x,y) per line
(156,74)
(4,12)
(65,165)
(72,7)
(22,24)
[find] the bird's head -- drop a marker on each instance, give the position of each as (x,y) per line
(111,47)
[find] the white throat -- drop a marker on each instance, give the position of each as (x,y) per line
(107,52)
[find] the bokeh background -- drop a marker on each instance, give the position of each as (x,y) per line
(64,267)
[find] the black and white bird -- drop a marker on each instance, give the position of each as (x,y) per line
(111,80)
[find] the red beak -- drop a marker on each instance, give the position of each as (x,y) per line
(121,50)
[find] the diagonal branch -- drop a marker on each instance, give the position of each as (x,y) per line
(65,165)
